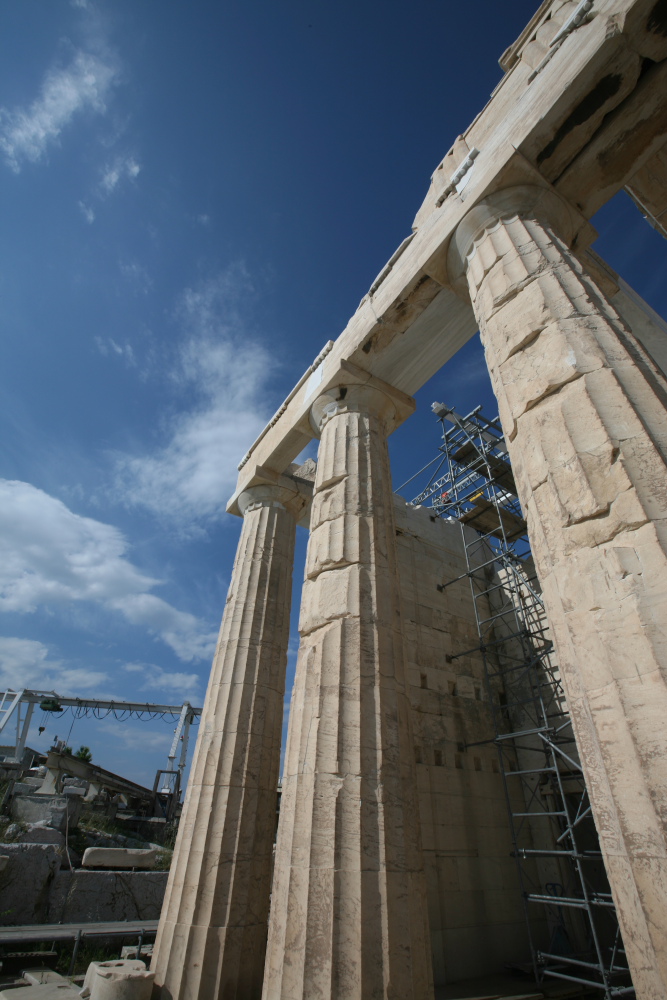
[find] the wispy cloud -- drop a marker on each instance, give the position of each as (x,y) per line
(87,212)
(26,663)
(154,678)
(122,168)
(26,133)
(222,372)
(138,275)
(50,556)
(108,346)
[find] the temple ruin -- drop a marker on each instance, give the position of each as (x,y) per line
(392,865)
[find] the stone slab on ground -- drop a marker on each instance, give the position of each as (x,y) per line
(26,882)
(85,896)
(58,811)
(40,976)
(118,857)
(130,951)
(41,833)
(47,991)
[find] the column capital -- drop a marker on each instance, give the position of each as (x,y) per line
(263,496)
(371,396)
(267,488)
(543,204)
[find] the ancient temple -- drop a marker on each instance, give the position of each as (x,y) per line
(391,864)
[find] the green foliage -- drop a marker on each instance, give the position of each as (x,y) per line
(83,753)
(163,861)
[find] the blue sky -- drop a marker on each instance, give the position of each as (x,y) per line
(195,197)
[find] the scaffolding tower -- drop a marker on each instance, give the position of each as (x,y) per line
(570,915)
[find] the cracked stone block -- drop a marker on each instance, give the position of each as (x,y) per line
(61,812)
(26,882)
(96,896)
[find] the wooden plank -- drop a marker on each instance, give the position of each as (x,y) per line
(484,517)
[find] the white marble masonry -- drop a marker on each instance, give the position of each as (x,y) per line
(212,934)
(348,911)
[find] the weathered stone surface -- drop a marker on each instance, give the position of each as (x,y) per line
(61,812)
(119,964)
(26,882)
(40,833)
(471,879)
(583,409)
(47,991)
(39,976)
(88,896)
(130,951)
(118,857)
(120,980)
(212,934)
(348,910)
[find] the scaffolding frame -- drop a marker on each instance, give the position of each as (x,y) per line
(555,846)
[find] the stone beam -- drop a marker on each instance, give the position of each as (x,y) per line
(297,412)
(648,189)
(563,90)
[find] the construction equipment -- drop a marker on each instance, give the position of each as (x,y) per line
(556,848)
(17,707)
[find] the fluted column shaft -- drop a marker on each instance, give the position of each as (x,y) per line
(348,911)
(212,935)
(583,409)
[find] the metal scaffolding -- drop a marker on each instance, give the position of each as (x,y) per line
(570,914)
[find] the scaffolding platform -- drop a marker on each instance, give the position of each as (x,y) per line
(485,518)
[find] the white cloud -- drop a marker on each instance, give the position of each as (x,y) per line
(123,167)
(154,678)
(223,373)
(50,556)
(25,133)
(109,346)
(26,663)
(87,212)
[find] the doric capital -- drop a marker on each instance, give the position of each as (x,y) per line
(263,496)
(269,489)
(371,395)
(524,201)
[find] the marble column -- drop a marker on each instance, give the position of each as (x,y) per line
(348,912)
(212,935)
(583,408)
